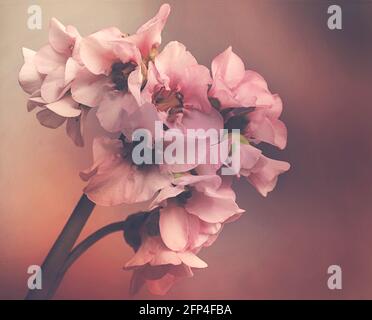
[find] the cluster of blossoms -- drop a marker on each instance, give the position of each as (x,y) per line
(131,84)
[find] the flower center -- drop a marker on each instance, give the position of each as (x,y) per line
(168,100)
(236,118)
(119,74)
(183,197)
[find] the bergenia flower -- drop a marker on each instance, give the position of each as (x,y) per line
(132,84)
(176,82)
(115,63)
(245,100)
(114,179)
(47,76)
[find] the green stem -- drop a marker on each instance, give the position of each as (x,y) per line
(62,247)
(81,248)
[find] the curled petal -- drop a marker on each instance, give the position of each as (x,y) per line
(29,78)
(66,107)
(264,175)
(49,119)
(47,59)
(59,38)
(148,36)
(53,87)
(89,89)
(174,227)
(228,67)
(192,260)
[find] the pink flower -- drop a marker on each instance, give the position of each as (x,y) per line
(263,175)
(159,267)
(113,179)
(114,69)
(47,76)
(175,83)
(235,88)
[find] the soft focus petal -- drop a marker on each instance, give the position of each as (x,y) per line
(116,181)
(172,62)
(192,260)
(49,119)
(88,89)
(47,59)
(113,110)
(174,227)
(66,107)
(194,87)
(148,36)
(59,38)
(265,128)
(228,67)
(53,86)
(265,174)
(216,207)
(29,78)
(97,50)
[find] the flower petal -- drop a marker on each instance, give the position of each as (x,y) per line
(65,107)
(29,78)
(88,89)
(59,38)
(47,59)
(49,119)
(174,227)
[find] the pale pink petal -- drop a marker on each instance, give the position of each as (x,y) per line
(164,194)
(135,83)
(116,181)
(249,156)
(71,70)
(47,59)
(264,128)
(194,87)
(201,183)
(88,89)
(172,62)
(165,256)
(97,50)
(29,78)
(114,110)
(174,227)
(228,67)
(264,175)
(53,86)
(192,260)
(144,254)
(59,38)
(66,107)
(216,207)
(148,36)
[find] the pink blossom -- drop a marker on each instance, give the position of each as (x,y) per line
(113,179)
(47,76)
(175,81)
(114,69)
(234,87)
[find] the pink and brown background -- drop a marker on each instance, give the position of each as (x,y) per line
(321,211)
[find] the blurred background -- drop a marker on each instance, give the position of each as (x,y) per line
(320,212)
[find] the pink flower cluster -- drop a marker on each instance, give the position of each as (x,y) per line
(131,83)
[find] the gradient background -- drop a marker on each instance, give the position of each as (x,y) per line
(320,212)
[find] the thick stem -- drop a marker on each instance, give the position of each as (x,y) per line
(62,247)
(81,248)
